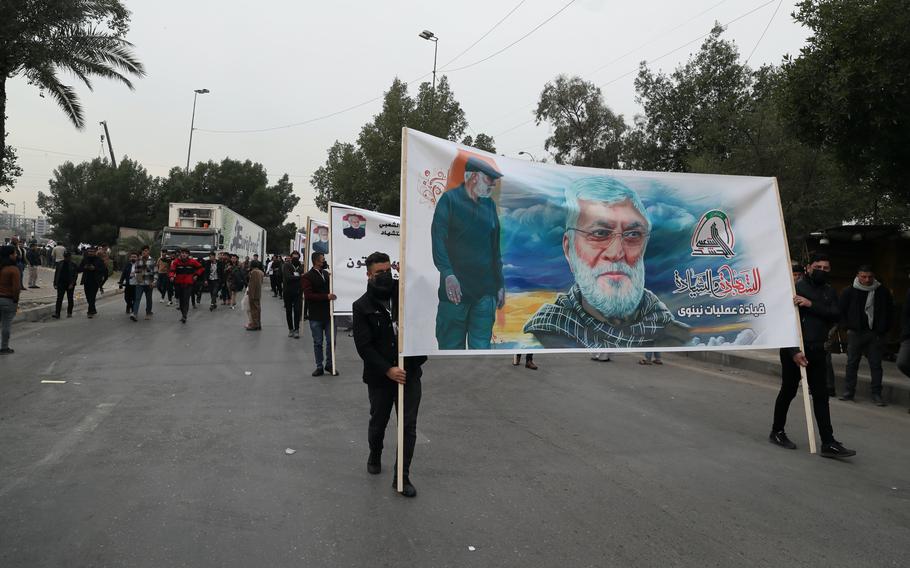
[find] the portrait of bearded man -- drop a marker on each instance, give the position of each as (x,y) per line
(606,235)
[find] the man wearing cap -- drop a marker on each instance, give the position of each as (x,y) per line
(466,252)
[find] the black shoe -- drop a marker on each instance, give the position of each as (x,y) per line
(6,351)
(847,396)
(781,439)
(407,489)
(374,464)
(877,399)
(55,316)
(133,317)
(330,370)
(212,308)
(835,449)
(318,372)
(182,320)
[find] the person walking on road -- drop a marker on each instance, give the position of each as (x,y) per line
(651,358)
(375,325)
(237,280)
(214,273)
(865,309)
(903,355)
(20,259)
(65,275)
(34,261)
(145,274)
(318,299)
(529,361)
(128,283)
(184,273)
(291,275)
(818,311)
(165,287)
(254,296)
(57,253)
(94,273)
(10,287)
(275,276)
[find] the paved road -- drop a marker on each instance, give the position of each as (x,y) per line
(160,451)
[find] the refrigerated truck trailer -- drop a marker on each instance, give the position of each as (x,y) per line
(209,227)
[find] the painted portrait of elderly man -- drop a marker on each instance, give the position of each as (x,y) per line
(606,237)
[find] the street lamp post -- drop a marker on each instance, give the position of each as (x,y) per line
(528,154)
(197,92)
(429,36)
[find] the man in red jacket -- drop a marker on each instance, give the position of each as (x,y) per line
(184,272)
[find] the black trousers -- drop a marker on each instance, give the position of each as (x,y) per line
(816,374)
(214,290)
(384,397)
(61,292)
(184,292)
(293,309)
(277,285)
(129,295)
(165,286)
(91,292)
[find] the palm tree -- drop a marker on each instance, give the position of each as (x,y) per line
(85,38)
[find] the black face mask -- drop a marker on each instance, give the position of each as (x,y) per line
(383,286)
(819,277)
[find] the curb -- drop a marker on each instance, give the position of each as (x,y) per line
(895,389)
(43,312)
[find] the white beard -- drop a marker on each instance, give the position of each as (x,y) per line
(623,296)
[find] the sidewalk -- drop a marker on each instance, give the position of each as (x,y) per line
(36,304)
(895,386)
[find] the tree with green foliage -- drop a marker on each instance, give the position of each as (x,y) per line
(240,185)
(40,40)
(483,142)
(89,202)
(584,131)
(368,174)
(848,91)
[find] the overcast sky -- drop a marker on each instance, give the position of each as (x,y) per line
(275,63)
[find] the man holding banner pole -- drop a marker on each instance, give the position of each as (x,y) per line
(375,321)
(817,303)
(318,300)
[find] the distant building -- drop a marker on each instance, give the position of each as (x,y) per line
(41,227)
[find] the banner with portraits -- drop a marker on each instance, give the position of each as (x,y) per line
(504,255)
(356,234)
(316,240)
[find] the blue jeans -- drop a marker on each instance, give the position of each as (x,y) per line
(320,331)
(142,290)
(471,321)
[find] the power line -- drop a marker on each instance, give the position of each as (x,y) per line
(667,54)
(657,37)
(494,54)
(751,53)
(496,25)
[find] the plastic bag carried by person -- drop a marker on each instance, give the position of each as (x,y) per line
(245,304)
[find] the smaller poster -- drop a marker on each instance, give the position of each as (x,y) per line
(316,240)
(298,243)
(356,234)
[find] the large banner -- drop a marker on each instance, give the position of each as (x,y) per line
(317,237)
(503,255)
(356,234)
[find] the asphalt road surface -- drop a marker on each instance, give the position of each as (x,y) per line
(161,450)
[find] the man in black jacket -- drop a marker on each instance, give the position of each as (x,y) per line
(376,338)
(865,309)
(818,311)
(65,275)
(212,278)
(291,274)
(94,273)
(318,300)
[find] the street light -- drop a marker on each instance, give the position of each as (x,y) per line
(192,124)
(429,36)
(528,154)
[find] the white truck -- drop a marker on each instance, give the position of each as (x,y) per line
(206,227)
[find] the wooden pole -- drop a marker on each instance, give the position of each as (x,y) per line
(403,208)
(332,302)
(804,381)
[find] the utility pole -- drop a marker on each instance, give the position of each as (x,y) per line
(110,146)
